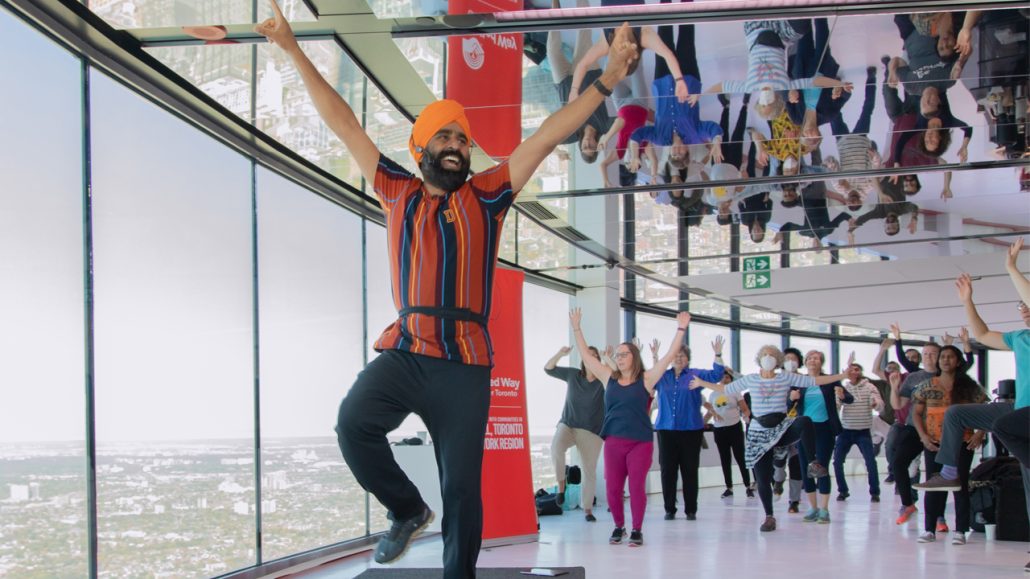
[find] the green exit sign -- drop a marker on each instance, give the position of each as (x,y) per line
(759,280)
(760,263)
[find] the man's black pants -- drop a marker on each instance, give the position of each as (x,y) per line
(453,400)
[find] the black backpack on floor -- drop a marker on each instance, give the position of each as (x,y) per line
(996,495)
(547,504)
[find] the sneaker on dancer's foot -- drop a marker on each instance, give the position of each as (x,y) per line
(398,539)
(938,483)
(636,538)
(617,535)
(726,494)
(905,514)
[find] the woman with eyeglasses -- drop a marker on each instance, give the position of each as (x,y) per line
(627,431)
(770,425)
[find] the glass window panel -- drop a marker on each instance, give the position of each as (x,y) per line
(388,129)
(311,342)
(286,112)
(650,327)
(701,338)
(750,343)
(545,315)
(750,316)
(1001,365)
(224,71)
(161,13)
(174,346)
(805,258)
(865,353)
(709,238)
(809,326)
(852,331)
(712,308)
(42,415)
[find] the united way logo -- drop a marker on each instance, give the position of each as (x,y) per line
(473,52)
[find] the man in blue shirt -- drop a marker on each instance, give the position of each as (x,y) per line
(680,427)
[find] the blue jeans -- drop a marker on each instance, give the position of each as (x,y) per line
(864,440)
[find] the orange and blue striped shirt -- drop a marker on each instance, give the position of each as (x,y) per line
(442,251)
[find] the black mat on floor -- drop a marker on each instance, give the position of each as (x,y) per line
(481,573)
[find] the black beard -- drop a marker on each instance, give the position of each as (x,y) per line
(436,175)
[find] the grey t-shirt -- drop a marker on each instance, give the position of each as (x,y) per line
(913,382)
(925,67)
(584,401)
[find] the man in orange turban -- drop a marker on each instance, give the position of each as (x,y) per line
(443,233)
(445,167)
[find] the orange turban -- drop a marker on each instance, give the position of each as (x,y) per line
(433,118)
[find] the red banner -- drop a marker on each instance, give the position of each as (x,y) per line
(484,73)
(508,506)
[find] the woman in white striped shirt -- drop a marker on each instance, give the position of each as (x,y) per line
(771,427)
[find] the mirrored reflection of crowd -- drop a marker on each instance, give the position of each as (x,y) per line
(793,99)
(788,414)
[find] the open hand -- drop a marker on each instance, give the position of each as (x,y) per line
(1013,254)
(896,331)
(575,317)
(964,285)
(717,345)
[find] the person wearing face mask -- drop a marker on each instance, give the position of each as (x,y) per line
(681,428)
(820,406)
(627,431)
(725,412)
(771,426)
(791,463)
(767,75)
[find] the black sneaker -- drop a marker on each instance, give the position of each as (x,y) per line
(636,538)
(591,518)
(750,493)
(727,494)
(889,479)
(874,498)
(398,539)
(670,516)
(794,507)
(843,496)
(691,516)
(616,537)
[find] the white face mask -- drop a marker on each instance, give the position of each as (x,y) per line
(767,362)
(790,365)
(766,96)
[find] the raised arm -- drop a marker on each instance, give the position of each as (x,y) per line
(897,400)
(651,41)
(562,352)
(907,364)
(828,378)
(596,52)
(1020,282)
(335,112)
(592,364)
(527,157)
(652,376)
(981,332)
(878,364)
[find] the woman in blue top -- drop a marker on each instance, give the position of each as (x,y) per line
(820,405)
(681,428)
(770,425)
(676,124)
(627,431)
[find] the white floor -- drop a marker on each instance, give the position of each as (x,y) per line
(862,542)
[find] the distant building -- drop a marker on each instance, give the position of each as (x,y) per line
(19,493)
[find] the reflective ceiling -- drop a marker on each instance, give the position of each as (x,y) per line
(840,248)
